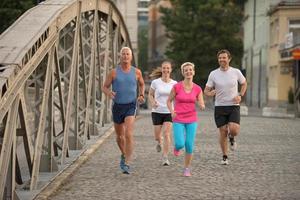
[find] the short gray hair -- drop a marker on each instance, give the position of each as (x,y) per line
(127,48)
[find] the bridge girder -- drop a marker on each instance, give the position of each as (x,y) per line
(53,61)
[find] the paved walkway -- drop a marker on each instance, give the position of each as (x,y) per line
(266,165)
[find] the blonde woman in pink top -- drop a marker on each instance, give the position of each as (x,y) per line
(185,94)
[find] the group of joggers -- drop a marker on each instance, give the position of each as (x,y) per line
(174,106)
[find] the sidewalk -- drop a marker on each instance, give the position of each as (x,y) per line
(266,165)
(278,112)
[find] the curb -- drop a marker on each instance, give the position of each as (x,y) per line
(68,171)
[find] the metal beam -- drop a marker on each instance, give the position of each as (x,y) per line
(53,71)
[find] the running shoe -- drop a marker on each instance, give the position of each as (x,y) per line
(126,169)
(232,142)
(224,160)
(158,147)
(187,172)
(122,161)
(176,152)
(165,162)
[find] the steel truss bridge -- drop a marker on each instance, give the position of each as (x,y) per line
(53,60)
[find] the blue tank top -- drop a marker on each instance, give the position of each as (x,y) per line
(125,86)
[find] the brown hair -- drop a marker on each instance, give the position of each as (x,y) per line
(157,72)
(224,51)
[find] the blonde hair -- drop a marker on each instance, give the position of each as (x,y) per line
(187,64)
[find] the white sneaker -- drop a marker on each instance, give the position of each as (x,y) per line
(165,162)
(224,161)
(232,143)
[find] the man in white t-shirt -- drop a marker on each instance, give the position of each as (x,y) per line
(223,84)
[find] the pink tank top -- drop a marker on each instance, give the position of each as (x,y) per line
(185,103)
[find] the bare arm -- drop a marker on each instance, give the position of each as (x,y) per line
(141,83)
(169,102)
(243,88)
(238,98)
(200,101)
(106,85)
(209,91)
(151,98)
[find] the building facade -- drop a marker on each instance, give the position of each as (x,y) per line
(283,67)
(143,11)
(271,34)
(284,37)
(256,48)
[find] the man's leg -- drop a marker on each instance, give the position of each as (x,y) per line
(120,136)
(223,139)
(129,123)
(234,128)
(223,142)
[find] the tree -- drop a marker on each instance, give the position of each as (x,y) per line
(198,29)
(143,47)
(10,10)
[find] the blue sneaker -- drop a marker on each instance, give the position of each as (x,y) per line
(122,161)
(126,169)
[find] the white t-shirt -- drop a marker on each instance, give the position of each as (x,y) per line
(161,94)
(226,85)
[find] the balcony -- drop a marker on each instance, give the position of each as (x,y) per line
(286,48)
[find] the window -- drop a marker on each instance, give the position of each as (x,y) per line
(294,27)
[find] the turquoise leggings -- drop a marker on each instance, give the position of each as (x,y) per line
(184,136)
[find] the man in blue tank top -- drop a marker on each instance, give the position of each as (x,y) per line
(124,80)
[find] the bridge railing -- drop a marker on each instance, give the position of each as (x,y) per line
(53,61)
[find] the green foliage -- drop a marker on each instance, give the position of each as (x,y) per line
(11,10)
(198,29)
(143,47)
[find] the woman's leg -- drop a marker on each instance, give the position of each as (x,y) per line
(178,135)
(167,138)
(191,130)
(157,133)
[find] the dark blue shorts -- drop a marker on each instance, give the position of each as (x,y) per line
(121,111)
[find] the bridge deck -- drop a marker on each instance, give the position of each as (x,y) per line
(265,166)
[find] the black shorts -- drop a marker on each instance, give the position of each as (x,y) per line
(160,118)
(226,114)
